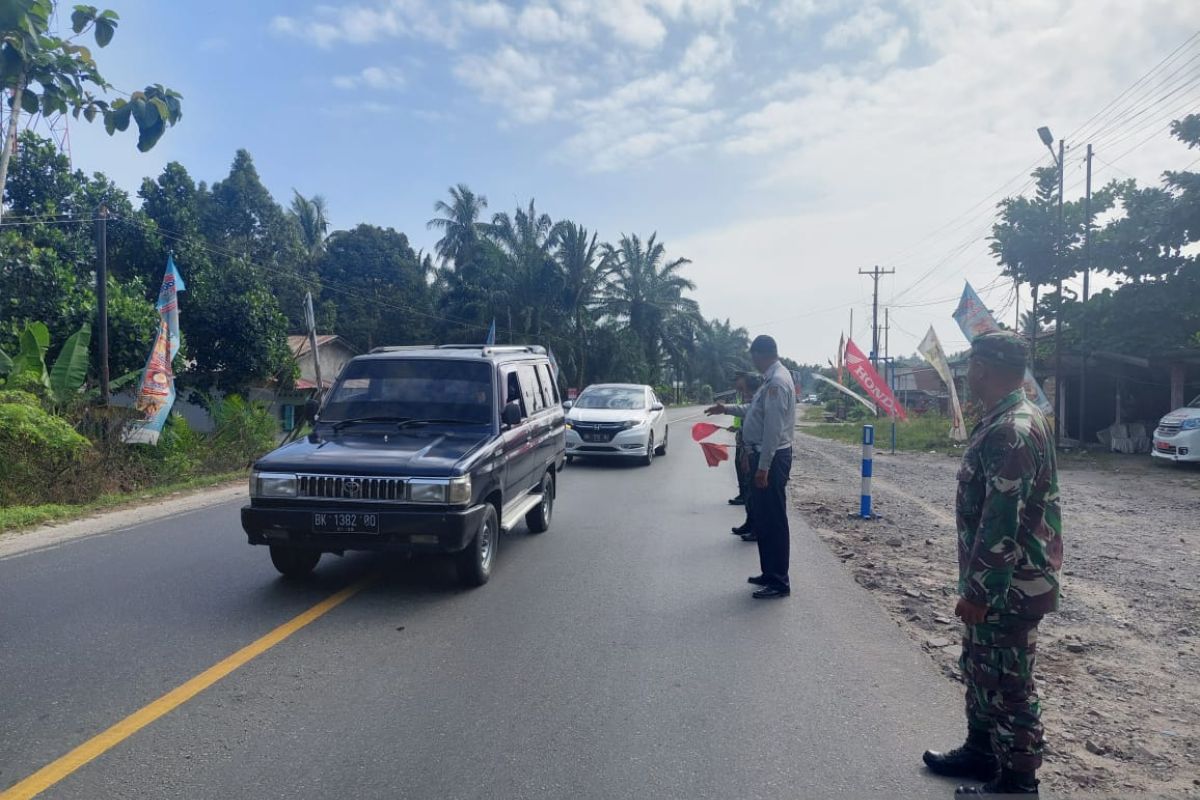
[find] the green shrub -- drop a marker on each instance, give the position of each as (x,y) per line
(244,432)
(36,450)
(704,395)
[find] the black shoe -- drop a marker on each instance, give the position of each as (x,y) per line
(973,760)
(758,580)
(771,593)
(737,501)
(750,537)
(742,530)
(1008,782)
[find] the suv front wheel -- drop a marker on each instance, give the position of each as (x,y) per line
(474,563)
(294,562)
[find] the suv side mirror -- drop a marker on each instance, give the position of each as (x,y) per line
(657,407)
(511,414)
(312,408)
(567,405)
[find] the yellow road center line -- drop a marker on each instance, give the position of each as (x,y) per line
(102,742)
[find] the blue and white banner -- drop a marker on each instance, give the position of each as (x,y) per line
(156,392)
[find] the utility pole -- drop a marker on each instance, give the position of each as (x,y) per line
(875,274)
(102,299)
(311,320)
(1059,394)
(1087,269)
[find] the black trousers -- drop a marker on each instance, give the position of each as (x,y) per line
(771,518)
(743,478)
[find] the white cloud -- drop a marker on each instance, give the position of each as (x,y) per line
(631,22)
(489,15)
(541,23)
(512,79)
(366,24)
(378,78)
(867,24)
(706,54)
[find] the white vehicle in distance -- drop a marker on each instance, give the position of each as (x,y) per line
(616,420)
(1177,437)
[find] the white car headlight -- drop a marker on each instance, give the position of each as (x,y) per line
(272,484)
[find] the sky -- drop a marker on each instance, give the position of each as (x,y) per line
(781,146)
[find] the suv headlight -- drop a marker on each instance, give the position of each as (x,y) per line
(272,484)
(633,423)
(1191,424)
(456,491)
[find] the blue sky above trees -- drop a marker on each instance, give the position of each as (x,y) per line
(785,143)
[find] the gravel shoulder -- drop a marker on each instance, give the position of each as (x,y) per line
(1119,665)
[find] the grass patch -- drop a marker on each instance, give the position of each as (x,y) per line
(14,518)
(919,434)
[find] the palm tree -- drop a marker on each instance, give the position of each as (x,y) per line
(312,215)
(648,291)
(720,352)
(531,272)
(584,273)
(459,224)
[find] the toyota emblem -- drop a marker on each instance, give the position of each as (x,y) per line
(352,489)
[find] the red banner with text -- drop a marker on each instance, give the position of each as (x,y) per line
(858,365)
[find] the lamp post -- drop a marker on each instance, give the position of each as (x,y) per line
(1048,140)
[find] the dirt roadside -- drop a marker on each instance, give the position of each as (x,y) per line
(1119,666)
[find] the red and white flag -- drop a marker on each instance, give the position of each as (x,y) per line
(876,388)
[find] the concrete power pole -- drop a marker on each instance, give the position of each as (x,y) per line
(875,275)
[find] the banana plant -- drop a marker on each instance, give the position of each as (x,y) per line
(65,380)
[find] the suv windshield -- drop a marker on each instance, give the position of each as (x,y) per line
(412,389)
(612,398)
(1195,403)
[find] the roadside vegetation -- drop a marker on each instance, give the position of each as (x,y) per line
(922,433)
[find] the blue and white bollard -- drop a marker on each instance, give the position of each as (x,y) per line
(867,468)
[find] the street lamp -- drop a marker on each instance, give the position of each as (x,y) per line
(1048,140)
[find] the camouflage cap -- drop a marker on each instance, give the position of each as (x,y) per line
(1000,347)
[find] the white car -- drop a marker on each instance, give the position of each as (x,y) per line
(616,420)
(1177,437)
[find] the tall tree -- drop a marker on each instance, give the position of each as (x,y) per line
(531,272)
(584,271)
(312,216)
(648,291)
(44,73)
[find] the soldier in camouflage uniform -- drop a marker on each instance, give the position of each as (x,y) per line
(1009,557)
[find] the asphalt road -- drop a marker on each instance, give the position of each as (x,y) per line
(619,655)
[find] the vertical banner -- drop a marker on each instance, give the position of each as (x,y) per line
(156,392)
(871,382)
(491,334)
(974,318)
(931,348)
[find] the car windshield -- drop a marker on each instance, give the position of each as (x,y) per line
(1195,402)
(616,398)
(412,389)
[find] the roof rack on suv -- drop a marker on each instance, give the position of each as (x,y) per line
(490,349)
(401,348)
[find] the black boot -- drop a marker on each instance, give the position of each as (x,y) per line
(1007,782)
(974,759)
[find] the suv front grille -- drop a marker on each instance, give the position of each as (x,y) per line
(351,488)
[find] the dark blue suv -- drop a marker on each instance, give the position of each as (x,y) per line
(420,450)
